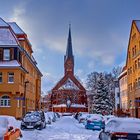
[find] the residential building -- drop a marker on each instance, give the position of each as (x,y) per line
(123,90)
(69,95)
(46,102)
(20,78)
(133,69)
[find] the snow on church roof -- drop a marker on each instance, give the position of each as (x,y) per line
(69,84)
(16,28)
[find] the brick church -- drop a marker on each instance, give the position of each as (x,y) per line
(69,95)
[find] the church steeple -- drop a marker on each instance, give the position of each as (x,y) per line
(69,58)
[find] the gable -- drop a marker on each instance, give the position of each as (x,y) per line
(69,85)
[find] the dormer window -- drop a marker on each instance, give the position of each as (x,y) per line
(6,54)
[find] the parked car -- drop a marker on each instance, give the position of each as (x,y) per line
(121,129)
(82,118)
(48,119)
(7,131)
(108,117)
(34,119)
(52,116)
(95,122)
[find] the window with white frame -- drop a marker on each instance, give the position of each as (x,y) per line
(5,101)
(10,77)
(0,77)
(6,54)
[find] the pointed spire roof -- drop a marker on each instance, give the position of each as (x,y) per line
(69,52)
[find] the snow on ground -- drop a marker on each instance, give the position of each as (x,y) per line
(66,128)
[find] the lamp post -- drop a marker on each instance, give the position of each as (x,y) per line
(24,98)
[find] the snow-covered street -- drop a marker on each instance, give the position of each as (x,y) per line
(66,128)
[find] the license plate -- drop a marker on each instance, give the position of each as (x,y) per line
(98,127)
(138,137)
(29,126)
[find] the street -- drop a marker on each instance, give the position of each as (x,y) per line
(66,128)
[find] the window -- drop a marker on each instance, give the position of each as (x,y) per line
(10,77)
(135,64)
(133,52)
(6,55)
(0,77)
(5,101)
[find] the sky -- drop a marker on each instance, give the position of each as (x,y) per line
(100,33)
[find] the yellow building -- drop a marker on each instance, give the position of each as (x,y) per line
(20,79)
(123,90)
(133,69)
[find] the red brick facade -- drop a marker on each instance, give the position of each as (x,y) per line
(69,95)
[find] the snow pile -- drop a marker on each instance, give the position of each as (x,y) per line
(3,126)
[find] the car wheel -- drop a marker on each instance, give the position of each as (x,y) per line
(101,136)
(22,128)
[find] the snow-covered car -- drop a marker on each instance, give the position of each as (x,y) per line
(6,130)
(35,120)
(82,118)
(95,122)
(48,119)
(52,115)
(108,117)
(121,129)
(80,115)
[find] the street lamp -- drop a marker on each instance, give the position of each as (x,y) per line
(24,97)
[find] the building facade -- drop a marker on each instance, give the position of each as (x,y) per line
(133,69)
(20,78)
(123,90)
(69,95)
(46,102)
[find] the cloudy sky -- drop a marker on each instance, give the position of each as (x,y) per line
(100,32)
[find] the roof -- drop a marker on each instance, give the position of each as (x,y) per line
(7,37)
(3,23)
(69,52)
(16,28)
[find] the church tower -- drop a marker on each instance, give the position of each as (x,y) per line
(69,95)
(69,58)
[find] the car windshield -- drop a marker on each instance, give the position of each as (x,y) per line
(33,116)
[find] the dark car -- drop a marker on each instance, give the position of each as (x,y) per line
(34,119)
(121,129)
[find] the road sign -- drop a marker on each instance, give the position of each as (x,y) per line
(20,98)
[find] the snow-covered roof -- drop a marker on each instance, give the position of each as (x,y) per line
(12,63)
(6,37)
(3,23)
(72,105)
(16,28)
(138,24)
(69,84)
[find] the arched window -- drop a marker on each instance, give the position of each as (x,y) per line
(5,101)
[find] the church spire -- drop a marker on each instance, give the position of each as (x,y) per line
(68,58)
(69,52)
